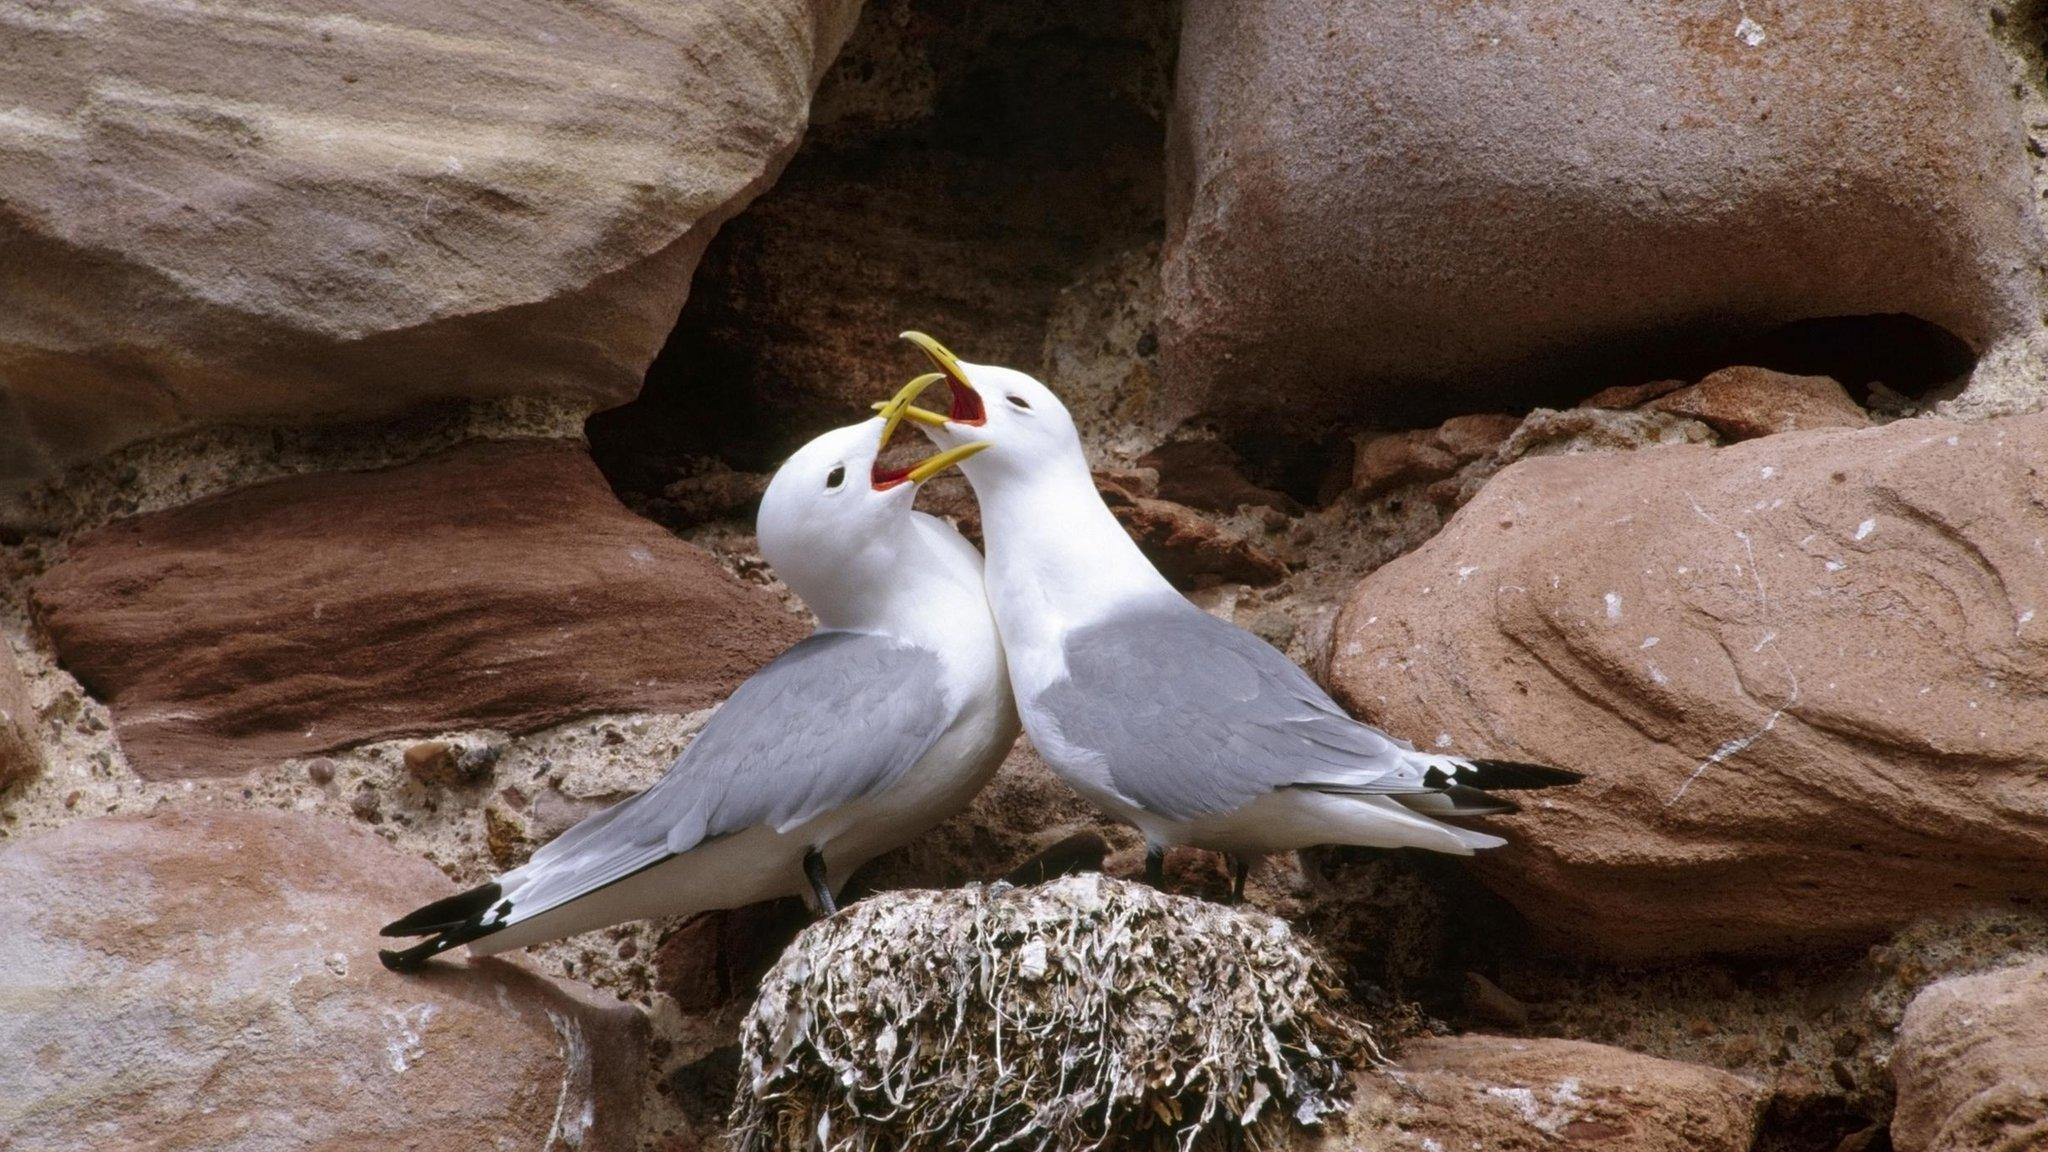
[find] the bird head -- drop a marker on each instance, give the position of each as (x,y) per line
(832,518)
(1018,423)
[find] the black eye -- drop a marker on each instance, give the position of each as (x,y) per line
(1018,401)
(836,477)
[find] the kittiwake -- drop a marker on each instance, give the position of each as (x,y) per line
(1188,727)
(884,722)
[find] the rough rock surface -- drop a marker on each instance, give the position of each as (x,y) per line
(499,584)
(1744,403)
(1401,211)
(1972,1064)
(1509,1095)
(208,979)
(988,173)
(21,748)
(1803,674)
(306,210)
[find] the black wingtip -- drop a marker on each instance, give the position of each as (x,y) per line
(446,914)
(1514,776)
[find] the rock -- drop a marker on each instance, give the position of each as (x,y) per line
(1405,213)
(1186,547)
(1548,432)
(209,979)
(1797,671)
(1972,1064)
(265,215)
(1207,475)
(21,746)
(720,956)
(1744,403)
(445,765)
(1509,1095)
(989,177)
(1386,462)
(497,585)
(320,770)
(1631,395)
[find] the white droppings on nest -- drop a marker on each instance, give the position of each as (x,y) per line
(1081,1014)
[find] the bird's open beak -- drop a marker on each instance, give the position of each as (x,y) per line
(966,407)
(894,412)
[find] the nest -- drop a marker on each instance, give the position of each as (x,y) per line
(1085,1013)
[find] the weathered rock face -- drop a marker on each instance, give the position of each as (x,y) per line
(983,172)
(1507,1095)
(307,211)
(207,979)
(1744,403)
(1972,1064)
(1803,674)
(1401,211)
(499,584)
(21,749)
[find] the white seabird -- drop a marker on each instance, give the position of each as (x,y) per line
(881,724)
(1188,727)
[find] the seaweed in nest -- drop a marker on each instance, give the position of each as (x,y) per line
(1085,1013)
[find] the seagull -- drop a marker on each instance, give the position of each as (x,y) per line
(860,738)
(1191,729)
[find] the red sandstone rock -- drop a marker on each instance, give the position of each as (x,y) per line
(319,210)
(497,584)
(208,979)
(1404,211)
(1744,403)
(1800,674)
(1972,1064)
(1508,1095)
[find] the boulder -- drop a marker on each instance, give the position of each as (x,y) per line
(1744,403)
(1801,674)
(21,746)
(1972,1064)
(1411,211)
(208,979)
(307,211)
(498,584)
(1509,1095)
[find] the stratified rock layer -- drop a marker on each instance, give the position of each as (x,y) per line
(1413,209)
(300,210)
(1803,674)
(1972,1064)
(499,584)
(207,979)
(1509,1095)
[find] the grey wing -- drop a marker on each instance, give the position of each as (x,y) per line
(840,716)
(1192,716)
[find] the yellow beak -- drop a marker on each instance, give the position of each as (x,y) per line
(897,408)
(943,461)
(945,360)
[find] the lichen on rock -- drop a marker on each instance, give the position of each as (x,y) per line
(1084,1013)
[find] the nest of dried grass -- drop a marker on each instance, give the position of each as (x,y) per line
(1081,1014)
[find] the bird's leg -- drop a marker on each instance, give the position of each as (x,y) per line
(814,871)
(1240,867)
(1155,866)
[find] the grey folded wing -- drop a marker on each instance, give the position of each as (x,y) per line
(838,717)
(1192,716)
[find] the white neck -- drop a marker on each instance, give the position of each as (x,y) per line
(1057,557)
(917,582)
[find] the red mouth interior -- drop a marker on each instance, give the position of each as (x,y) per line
(967,407)
(887,478)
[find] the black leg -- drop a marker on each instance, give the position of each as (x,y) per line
(1155,866)
(1239,869)
(814,870)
